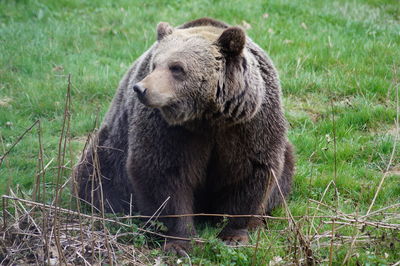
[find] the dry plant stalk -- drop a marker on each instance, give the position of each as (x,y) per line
(305,244)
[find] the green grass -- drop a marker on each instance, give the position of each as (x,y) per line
(333,57)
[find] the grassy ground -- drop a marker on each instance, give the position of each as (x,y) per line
(339,65)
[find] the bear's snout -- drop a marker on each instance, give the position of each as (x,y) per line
(139,89)
(140,92)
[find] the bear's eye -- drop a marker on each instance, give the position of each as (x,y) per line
(176,69)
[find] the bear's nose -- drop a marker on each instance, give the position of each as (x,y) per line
(140,93)
(140,90)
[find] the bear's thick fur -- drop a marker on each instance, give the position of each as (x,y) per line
(197,119)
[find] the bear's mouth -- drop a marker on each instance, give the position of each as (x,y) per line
(155,100)
(149,103)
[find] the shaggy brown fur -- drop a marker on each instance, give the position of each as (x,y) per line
(197,118)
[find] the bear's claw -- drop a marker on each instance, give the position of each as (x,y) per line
(235,237)
(177,247)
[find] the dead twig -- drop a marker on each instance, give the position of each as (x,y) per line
(304,244)
(16,142)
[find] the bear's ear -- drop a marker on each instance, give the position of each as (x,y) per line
(163,29)
(232,41)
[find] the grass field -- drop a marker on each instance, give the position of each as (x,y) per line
(339,63)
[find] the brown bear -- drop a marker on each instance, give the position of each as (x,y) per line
(197,119)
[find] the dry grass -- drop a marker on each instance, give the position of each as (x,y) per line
(31,235)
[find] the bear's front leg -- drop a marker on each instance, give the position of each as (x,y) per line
(167,195)
(244,197)
(166,164)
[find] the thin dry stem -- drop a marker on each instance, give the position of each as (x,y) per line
(304,244)
(16,142)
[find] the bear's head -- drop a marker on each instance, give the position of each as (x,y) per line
(202,72)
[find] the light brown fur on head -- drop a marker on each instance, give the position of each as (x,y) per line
(207,32)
